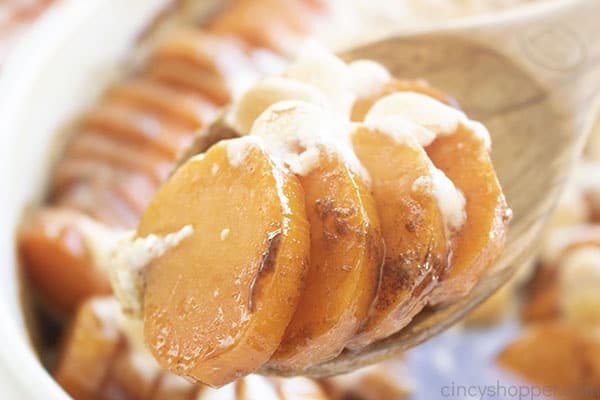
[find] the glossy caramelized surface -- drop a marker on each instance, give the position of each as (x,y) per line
(464,158)
(216,306)
(412,227)
(345,262)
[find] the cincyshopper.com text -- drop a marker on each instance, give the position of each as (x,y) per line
(520,392)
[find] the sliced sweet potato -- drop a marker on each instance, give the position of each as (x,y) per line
(97,146)
(90,347)
(134,188)
(100,200)
(225,56)
(343,276)
(139,128)
(57,260)
(413,230)
(556,355)
(192,109)
(201,48)
(464,158)
(272,24)
(186,76)
(542,302)
(217,305)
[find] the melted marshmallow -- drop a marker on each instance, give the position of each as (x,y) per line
(131,257)
(400,128)
(139,356)
(450,200)
(308,110)
(114,323)
(317,77)
(124,257)
(238,149)
(426,112)
(318,67)
(296,132)
(367,77)
(258,98)
(107,310)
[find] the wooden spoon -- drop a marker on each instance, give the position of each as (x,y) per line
(532,79)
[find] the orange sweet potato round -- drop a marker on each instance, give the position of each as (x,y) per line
(57,260)
(216,306)
(343,276)
(412,226)
(464,158)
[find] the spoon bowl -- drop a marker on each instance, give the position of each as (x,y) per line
(532,79)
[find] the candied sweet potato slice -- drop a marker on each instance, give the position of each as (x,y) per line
(102,200)
(217,305)
(58,263)
(542,301)
(464,158)
(273,24)
(343,276)
(96,146)
(90,347)
(413,229)
(463,155)
(557,355)
(190,78)
(125,122)
(134,188)
(192,109)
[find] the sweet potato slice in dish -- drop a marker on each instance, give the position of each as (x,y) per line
(273,24)
(89,349)
(346,256)
(192,109)
(217,305)
(53,247)
(413,230)
(96,146)
(126,122)
(555,355)
(464,158)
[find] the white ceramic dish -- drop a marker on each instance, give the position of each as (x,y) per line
(59,67)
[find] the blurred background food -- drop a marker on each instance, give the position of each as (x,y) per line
(540,330)
(15,17)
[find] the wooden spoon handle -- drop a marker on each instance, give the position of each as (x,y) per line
(560,46)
